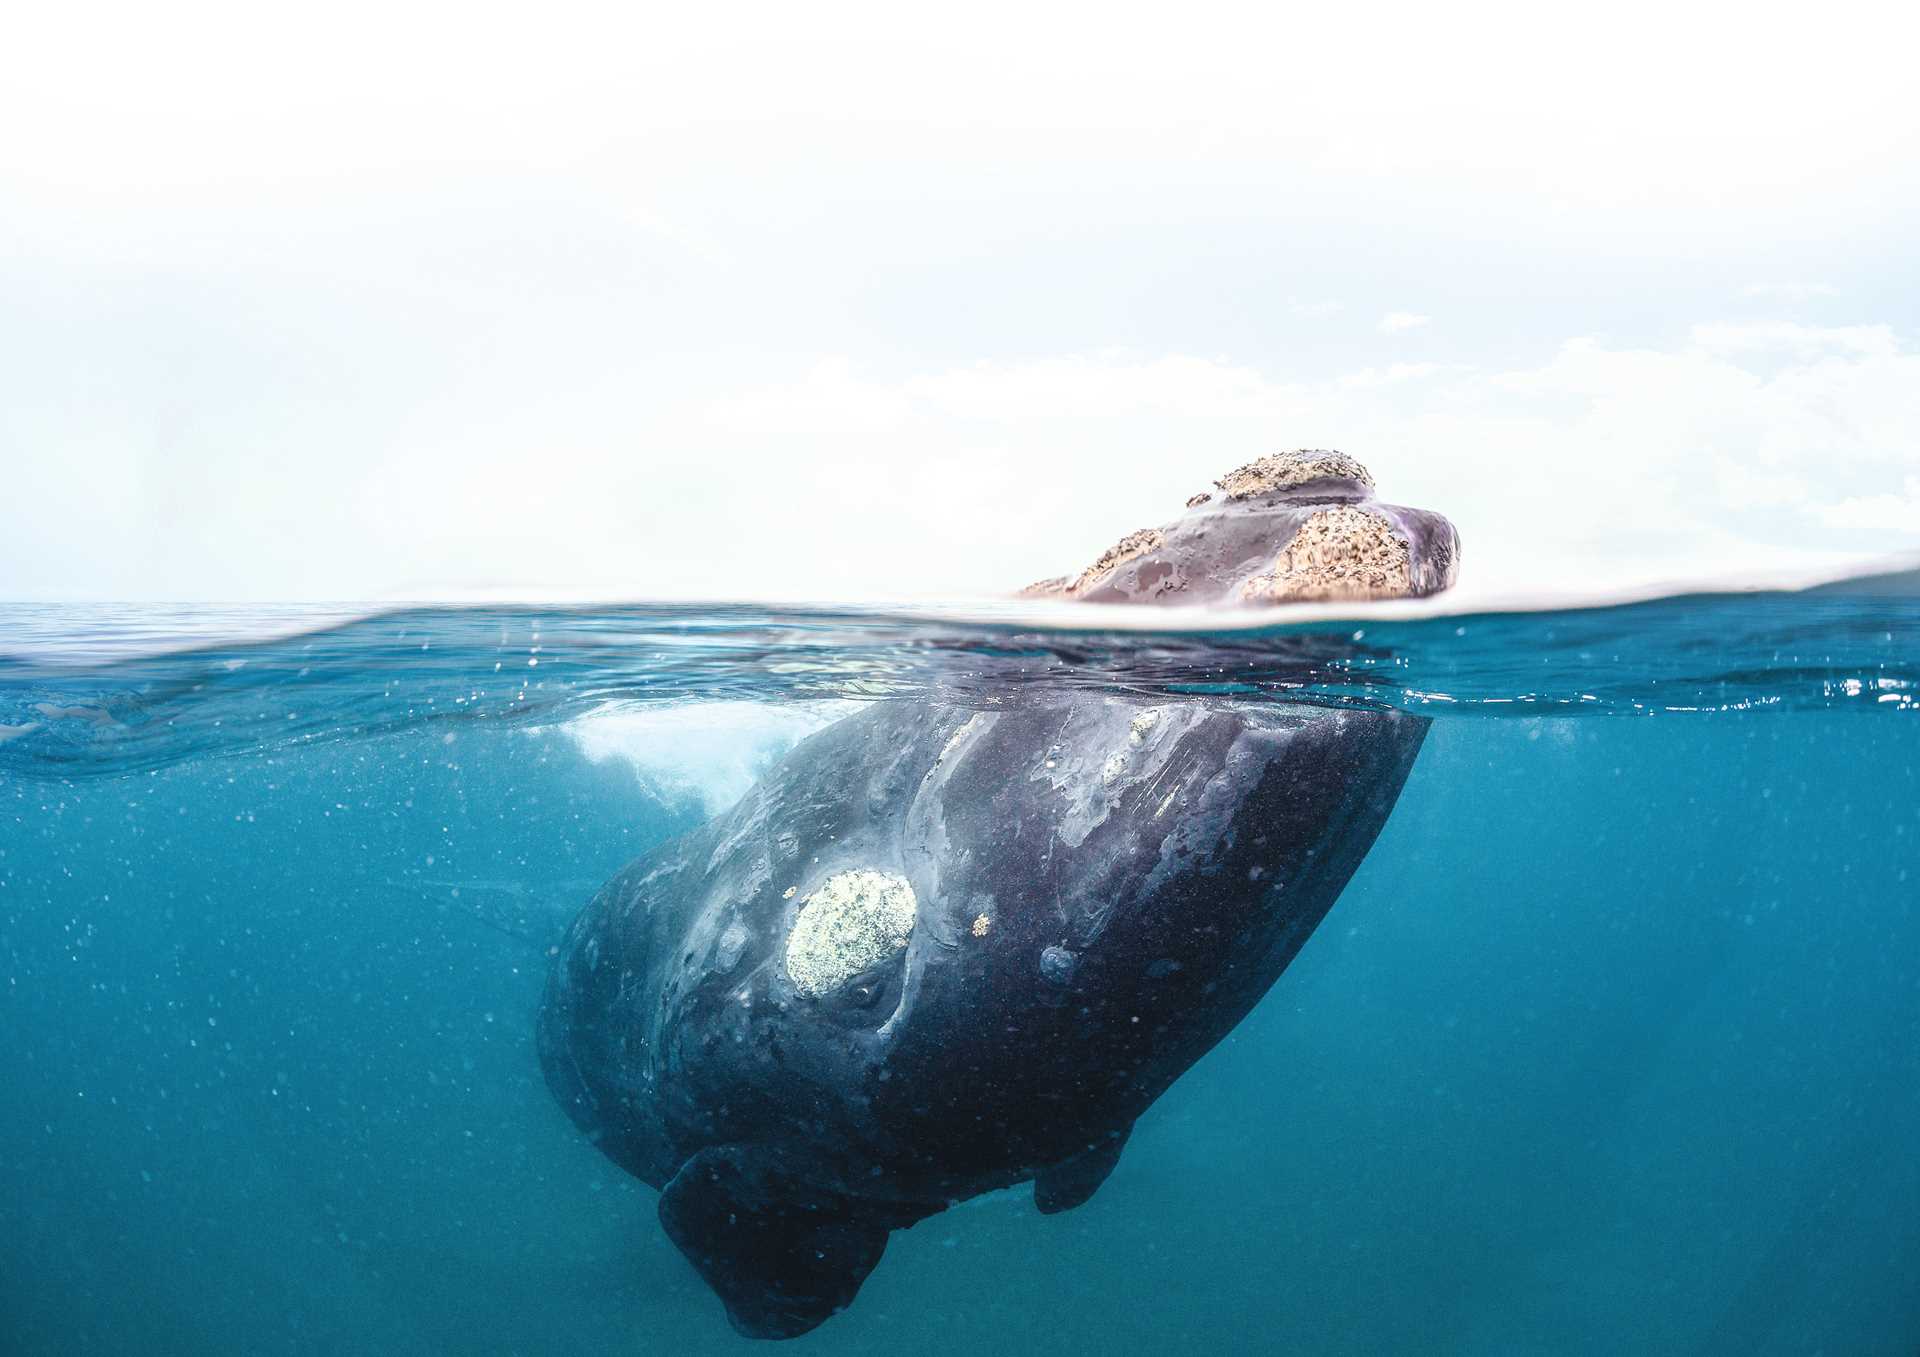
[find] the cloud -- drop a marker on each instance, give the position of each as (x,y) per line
(1746,486)
(1108,385)
(830,398)
(1785,336)
(1888,512)
(1398,322)
(1399,372)
(1789,292)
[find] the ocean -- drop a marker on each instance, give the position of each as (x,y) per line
(1611,1045)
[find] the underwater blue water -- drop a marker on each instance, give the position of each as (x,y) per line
(1612,1045)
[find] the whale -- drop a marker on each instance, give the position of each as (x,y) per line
(941,949)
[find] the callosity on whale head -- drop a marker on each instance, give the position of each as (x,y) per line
(938,950)
(1291,527)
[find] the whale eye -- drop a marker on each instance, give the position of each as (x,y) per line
(865,1000)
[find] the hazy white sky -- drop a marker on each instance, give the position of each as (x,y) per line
(841,302)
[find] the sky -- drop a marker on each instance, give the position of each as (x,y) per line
(837,302)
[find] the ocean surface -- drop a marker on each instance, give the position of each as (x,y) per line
(1612,1045)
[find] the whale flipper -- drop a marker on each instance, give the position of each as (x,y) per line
(1072,1181)
(782,1257)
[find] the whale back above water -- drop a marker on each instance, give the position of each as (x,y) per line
(1291,527)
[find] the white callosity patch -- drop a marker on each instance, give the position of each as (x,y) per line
(1137,731)
(1279,472)
(853,922)
(1339,553)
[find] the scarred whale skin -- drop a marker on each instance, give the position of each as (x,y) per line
(940,950)
(1102,888)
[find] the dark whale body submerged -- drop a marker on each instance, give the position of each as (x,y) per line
(937,951)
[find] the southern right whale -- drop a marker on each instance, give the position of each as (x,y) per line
(939,950)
